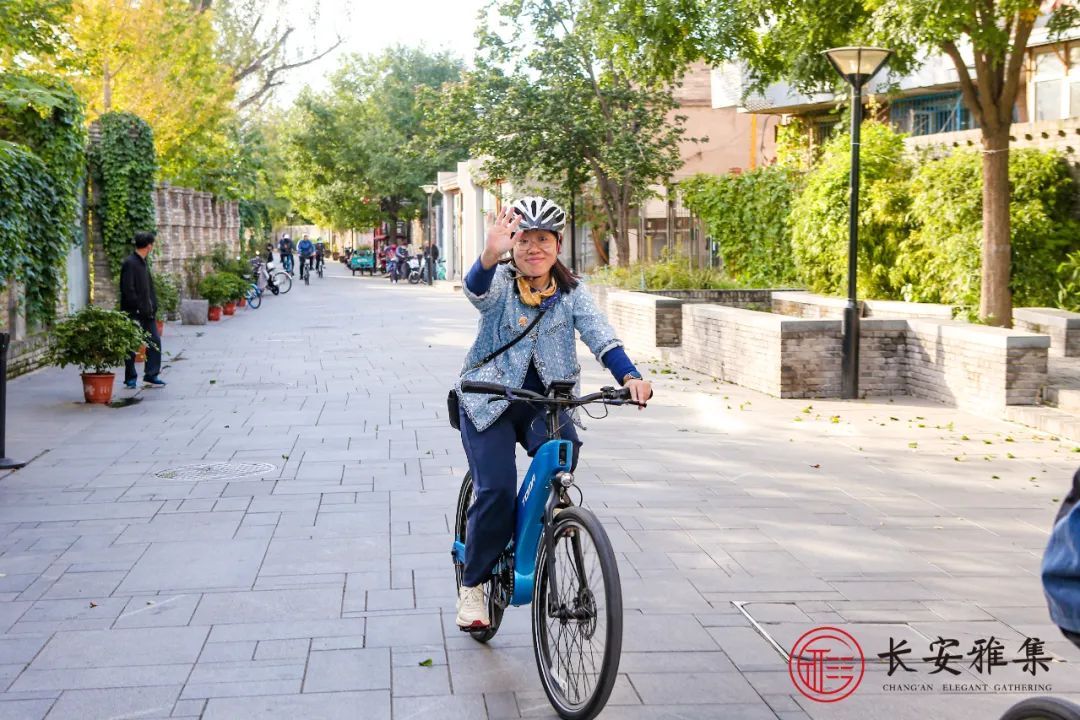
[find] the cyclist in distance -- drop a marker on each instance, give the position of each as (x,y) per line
(306,248)
(508,294)
(285,250)
(320,253)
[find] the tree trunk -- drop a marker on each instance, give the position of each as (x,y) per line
(622,233)
(106,86)
(995,301)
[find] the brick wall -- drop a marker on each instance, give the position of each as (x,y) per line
(735,345)
(190,225)
(646,322)
(1062,326)
(802,304)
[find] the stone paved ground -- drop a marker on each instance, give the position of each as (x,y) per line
(316,589)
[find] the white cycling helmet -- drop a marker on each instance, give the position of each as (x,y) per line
(539,213)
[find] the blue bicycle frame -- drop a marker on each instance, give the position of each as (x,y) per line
(553,457)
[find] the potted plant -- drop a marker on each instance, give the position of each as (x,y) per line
(168,296)
(236,288)
(215,288)
(96,340)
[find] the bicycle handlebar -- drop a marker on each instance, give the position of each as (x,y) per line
(607,395)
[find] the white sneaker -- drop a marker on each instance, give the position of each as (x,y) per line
(472,611)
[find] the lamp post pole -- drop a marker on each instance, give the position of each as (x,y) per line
(850,363)
(856,65)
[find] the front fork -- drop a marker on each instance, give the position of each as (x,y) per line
(558,500)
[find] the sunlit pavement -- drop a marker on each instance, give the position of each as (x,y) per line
(317,587)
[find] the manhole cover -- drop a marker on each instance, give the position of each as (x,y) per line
(214,471)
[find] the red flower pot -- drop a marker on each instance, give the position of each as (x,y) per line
(140,356)
(97,388)
(160,327)
(215,313)
(230,308)
(242,302)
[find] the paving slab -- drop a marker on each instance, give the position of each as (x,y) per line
(317,588)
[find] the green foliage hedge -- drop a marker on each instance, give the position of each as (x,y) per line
(747,215)
(919,224)
(123,163)
(940,261)
(671,272)
(41,173)
(819,215)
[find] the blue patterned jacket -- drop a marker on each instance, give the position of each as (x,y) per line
(552,343)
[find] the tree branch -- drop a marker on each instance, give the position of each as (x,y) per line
(967,86)
(256,64)
(269,82)
(1024,25)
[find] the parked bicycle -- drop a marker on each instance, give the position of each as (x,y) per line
(560,560)
(268,277)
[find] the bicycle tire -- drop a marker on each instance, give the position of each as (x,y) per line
(570,527)
(414,278)
(254,298)
(1043,708)
(307,275)
(283,281)
(495,612)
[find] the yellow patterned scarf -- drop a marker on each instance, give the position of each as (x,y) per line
(531,297)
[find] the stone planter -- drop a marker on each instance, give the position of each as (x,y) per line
(194,311)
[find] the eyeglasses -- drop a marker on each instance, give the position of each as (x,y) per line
(543,241)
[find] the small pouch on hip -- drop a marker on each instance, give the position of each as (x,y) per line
(453,410)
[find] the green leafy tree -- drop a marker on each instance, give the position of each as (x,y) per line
(997,32)
(573,90)
(355,157)
(30,29)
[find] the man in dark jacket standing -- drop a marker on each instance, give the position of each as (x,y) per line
(138,300)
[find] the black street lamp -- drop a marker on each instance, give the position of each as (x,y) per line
(856,65)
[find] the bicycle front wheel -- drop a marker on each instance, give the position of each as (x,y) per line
(283,282)
(1043,708)
(577,620)
(254,298)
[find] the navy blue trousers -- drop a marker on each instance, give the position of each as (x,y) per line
(491,455)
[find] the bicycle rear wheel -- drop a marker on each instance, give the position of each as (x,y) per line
(283,281)
(1043,708)
(254,298)
(495,611)
(578,650)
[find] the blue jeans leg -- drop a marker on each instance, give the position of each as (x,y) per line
(490,524)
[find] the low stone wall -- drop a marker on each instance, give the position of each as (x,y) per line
(1062,326)
(975,367)
(647,322)
(802,304)
(746,299)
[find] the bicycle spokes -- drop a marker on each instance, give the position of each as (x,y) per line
(576,630)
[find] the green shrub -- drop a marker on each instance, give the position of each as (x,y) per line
(819,214)
(671,272)
(216,288)
(237,285)
(95,340)
(168,295)
(748,215)
(941,260)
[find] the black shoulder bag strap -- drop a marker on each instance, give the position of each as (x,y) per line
(452,403)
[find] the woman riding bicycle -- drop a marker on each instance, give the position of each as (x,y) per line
(509,295)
